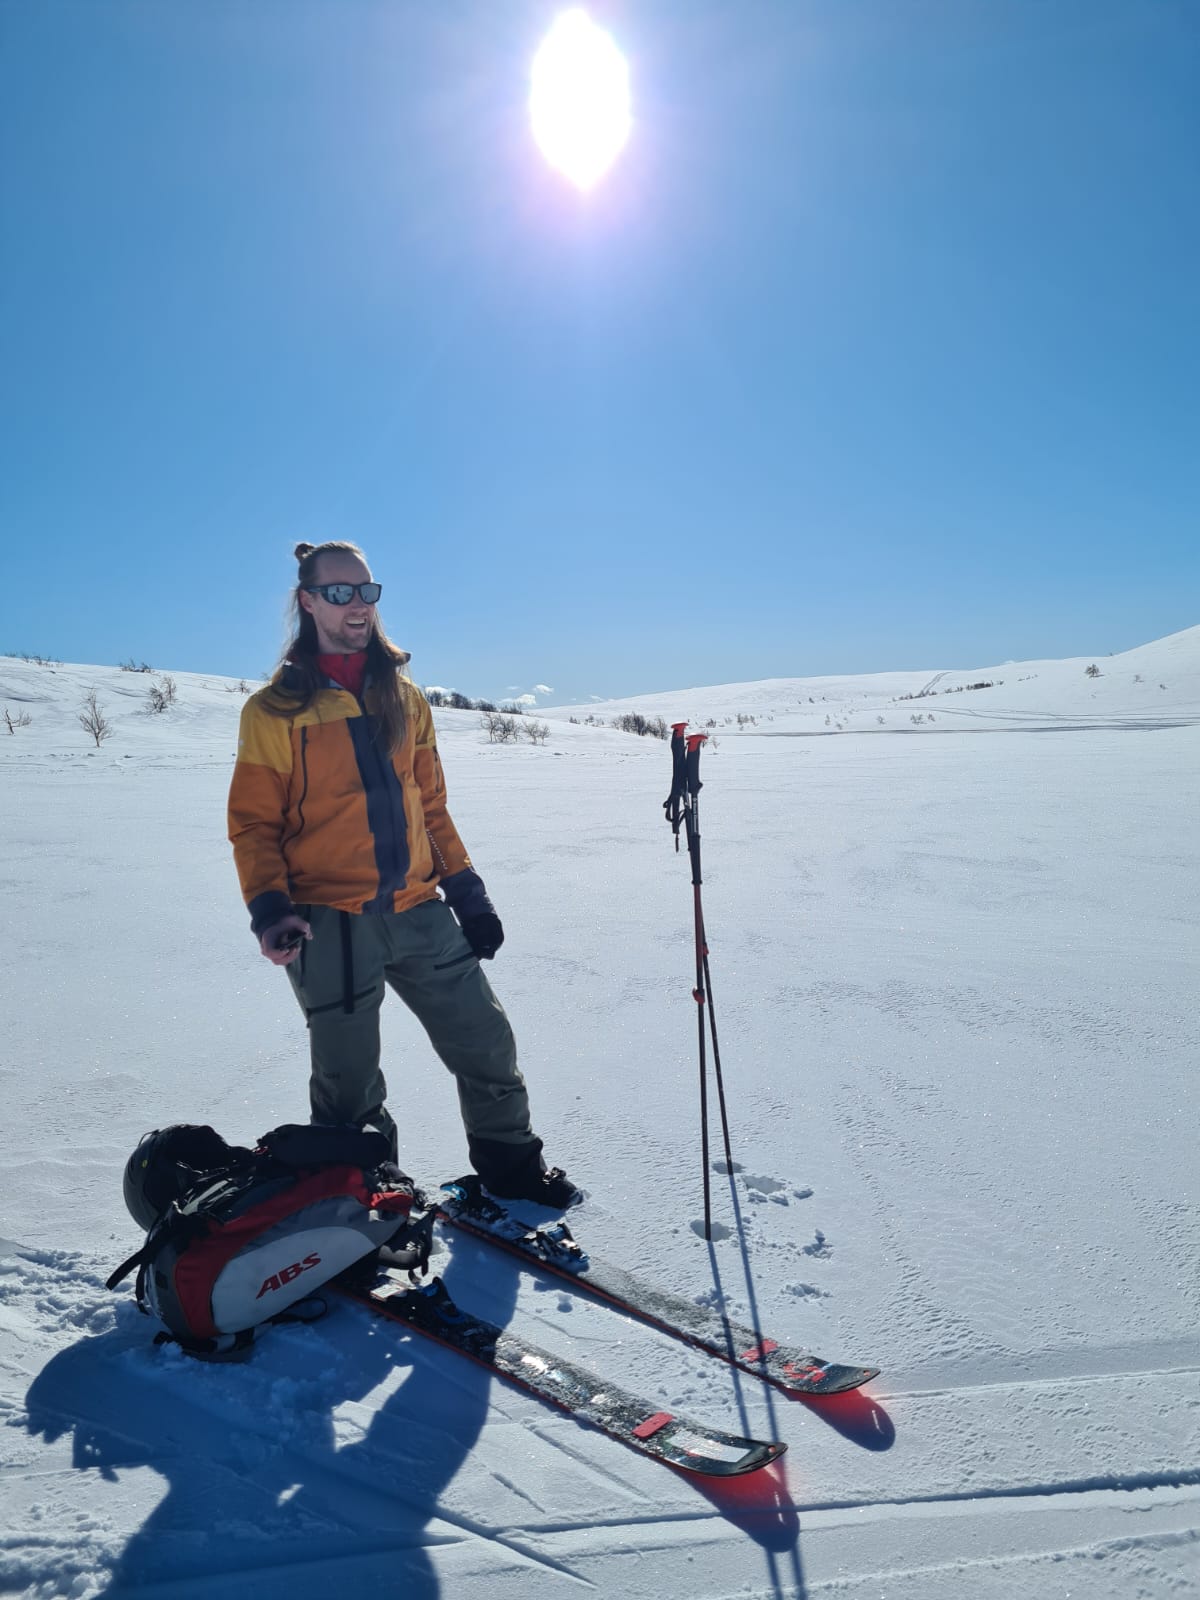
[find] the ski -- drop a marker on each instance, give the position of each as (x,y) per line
(465,1205)
(659,1434)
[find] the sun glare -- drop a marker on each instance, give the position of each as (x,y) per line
(579,99)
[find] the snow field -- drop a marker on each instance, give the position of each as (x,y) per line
(954,979)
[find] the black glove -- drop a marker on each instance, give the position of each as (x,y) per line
(468,899)
(483,933)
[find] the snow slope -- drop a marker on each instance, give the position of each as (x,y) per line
(955,980)
(1154,684)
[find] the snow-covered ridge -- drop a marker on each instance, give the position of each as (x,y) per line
(1159,682)
(1154,685)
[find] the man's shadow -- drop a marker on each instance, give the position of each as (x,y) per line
(285,1475)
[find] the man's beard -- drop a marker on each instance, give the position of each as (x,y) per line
(346,641)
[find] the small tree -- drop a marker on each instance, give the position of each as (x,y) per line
(536,732)
(1093,671)
(499,728)
(92,719)
(161,695)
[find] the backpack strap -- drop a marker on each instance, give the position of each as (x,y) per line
(125,1269)
(172,1224)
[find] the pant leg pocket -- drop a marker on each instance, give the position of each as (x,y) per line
(444,966)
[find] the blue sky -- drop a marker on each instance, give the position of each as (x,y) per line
(879,348)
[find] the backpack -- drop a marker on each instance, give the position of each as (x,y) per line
(249,1240)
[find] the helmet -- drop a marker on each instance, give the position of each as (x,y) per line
(166,1164)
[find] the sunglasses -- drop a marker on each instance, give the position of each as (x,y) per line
(341,594)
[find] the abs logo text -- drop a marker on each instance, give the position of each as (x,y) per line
(289,1274)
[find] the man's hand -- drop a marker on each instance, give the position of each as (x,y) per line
(281,942)
(483,933)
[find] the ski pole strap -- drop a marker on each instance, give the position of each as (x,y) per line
(673,804)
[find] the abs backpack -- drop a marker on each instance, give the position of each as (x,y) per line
(240,1238)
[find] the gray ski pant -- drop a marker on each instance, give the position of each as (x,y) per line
(339,979)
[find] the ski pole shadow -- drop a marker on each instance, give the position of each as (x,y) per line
(766,1510)
(855,1414)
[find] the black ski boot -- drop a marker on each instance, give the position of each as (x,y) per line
(517,1172)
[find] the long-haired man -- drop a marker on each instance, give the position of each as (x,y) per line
(342,841)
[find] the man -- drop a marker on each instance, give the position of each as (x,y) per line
(342,839)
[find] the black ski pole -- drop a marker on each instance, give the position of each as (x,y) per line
(673,804)
(683,805)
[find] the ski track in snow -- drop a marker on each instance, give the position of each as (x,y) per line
(954,981)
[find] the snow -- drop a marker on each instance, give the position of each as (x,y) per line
(954,968)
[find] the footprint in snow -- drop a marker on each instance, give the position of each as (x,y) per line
(820,1247)
(759,1187)
(719,1230)
(807,1291)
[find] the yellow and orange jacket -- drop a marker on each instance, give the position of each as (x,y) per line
(320,815)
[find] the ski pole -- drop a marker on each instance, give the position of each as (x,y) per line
(683,806)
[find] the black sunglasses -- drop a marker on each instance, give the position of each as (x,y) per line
(341,594)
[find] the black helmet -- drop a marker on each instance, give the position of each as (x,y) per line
(169,1162)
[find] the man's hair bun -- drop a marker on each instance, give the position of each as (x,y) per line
(303,550)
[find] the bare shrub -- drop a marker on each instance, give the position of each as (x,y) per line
(1093,671)
(162,694)
(21,720)
(535,732)
(499,728)
(132,666)
(634,722)
(92,719)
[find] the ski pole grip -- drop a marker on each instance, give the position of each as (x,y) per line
(678,757)
(692,762)
(674,801)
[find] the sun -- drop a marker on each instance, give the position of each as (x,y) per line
(579,99)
